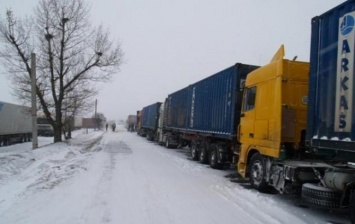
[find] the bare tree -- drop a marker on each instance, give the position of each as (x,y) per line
(71,55)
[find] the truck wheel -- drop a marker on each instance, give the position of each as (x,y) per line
(5,141)
(167,144)
(257,173)
(321,196)
(149,137)
(213,158)
(194,151)
(203,154)
(22,139)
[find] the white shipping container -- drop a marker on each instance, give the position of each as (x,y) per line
(78,122)
(14,119)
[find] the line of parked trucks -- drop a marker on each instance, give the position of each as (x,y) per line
(287,125)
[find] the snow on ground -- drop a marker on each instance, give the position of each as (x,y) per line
(106,177)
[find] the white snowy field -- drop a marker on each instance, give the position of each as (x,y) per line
(106,177)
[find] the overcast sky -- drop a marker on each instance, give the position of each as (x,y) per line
(171,44)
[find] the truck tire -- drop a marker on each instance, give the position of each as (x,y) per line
(194,151)
(321,196)
(203,153)
(213,157)
(22,139)
(167,144)
(257,173)
(28,137)
(149,137)
(4,142)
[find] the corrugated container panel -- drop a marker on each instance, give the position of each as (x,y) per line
(14,119)
(215,102)
(177,109)
(331,112)
(151,116)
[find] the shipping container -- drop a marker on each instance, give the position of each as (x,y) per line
(215,102)
(78,123)
(331,112)
(150,117)
(205,115)
(15,123)
(177,109)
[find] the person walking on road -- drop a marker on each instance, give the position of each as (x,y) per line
(113,127)
(106,126)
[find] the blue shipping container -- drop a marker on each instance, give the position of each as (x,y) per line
(212,105)
(177,109)
(150,116)
(331,111)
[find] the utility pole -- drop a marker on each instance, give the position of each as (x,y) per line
(34,102)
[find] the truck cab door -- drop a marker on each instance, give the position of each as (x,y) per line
(247,120)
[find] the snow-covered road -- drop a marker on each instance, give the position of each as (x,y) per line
(106,177)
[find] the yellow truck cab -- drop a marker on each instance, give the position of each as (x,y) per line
(273,117)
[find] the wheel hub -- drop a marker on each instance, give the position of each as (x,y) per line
(257,172)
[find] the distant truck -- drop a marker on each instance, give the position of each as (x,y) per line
(78,123)
(149,121)
(131,123)
(15,124)
(45,130)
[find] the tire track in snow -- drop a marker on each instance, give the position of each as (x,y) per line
(184,164)
(242,204)
(100,202)
(240,198)
(234,194)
